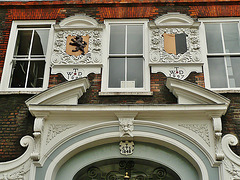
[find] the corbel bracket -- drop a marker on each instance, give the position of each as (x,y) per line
(38,129)
(217,127)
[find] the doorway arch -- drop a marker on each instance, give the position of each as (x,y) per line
(149,155)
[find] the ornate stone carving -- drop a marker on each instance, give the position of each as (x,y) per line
(200,129)
(126,127)
(126,147)
(231,161)
(60,57)
(55,129)
(16,175)
(232,168)
(158,55)
(217,127)
(38,128)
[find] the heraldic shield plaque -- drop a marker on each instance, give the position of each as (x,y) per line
(77,45)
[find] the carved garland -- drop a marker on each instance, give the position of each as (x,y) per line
(60,57)
(55,129)
(200,129)
(158,55)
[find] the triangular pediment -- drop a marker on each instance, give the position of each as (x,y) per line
(66,93)
(190,93)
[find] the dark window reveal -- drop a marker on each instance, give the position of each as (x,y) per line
(29,58)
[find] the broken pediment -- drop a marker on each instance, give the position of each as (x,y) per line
(66,93)
(190,93)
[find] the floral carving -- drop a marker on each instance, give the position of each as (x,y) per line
(18,175)
(157,46)
(200,129)
(55,129)
(60,57)
(232,168)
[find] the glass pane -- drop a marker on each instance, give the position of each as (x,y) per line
(214,39)
(134,39)
(19,73)
(236,73)
(231,37)
(115,169)
(135,71)
(36,72)
(23,42)
(217,72)
(40,41)
(116,72)
(117,39)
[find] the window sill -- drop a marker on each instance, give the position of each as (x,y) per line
(226,91)
(19,92)
(125,93)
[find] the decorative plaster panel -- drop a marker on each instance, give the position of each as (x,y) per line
(93,56)
(55,129)
(200,129)
(159,55)
(77,26)
(177,65)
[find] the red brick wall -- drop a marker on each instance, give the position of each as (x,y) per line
(15,122)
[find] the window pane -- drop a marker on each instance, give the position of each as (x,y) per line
(214,39)
(235,61)
(217,71)
(135,71)
(35,76)
(23,42)
(134,39)
(19,73)
(231,37)
(40,41)
(117,39)
(116,72)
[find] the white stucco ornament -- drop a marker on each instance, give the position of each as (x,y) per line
(73,63)
(178,65)
(126,147)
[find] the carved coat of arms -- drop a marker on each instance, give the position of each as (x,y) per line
(126,147)
(77,45)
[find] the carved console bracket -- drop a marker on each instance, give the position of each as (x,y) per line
(126,126)
(217,126)
(38,130)
(231,163)
(68,61)
(177,65)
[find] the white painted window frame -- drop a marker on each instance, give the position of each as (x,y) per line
(7,69)
(106,43)
(205,54)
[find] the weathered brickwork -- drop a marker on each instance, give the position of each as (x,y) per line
(161,94)
(15,122)
(55,79)
(231,121)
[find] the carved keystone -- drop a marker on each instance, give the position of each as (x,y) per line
(126,124)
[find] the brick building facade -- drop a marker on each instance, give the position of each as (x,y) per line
(22,107)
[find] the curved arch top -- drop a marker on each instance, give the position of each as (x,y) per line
(108,135)
(79,20)
(174,19)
